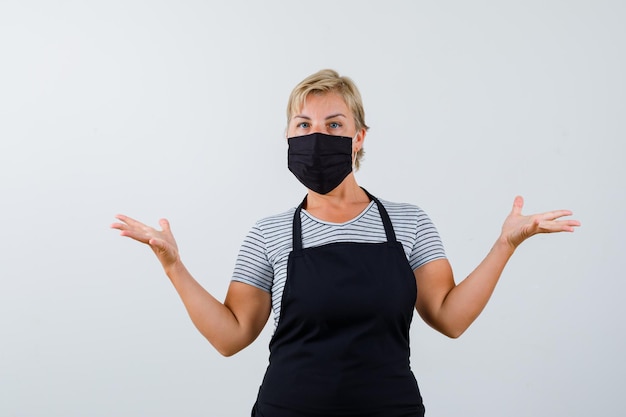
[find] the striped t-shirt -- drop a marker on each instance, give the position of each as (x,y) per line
(262,259)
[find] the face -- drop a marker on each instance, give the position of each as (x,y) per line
(326,113)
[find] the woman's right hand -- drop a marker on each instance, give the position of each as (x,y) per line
(229,326)
(162,242)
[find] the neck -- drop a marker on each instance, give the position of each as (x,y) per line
(341,204)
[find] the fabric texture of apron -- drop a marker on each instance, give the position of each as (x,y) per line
(341,347)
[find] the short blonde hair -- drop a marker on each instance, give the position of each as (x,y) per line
(327,81)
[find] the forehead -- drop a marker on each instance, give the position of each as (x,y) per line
(315,103)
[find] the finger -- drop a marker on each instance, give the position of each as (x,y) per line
(518,204)
(119,226)
(139,236)
(122,217)
(165,225)
(568,225)
(158,245)
(123,227)
(558,226)
(135,230)
(128,220)
(555,214)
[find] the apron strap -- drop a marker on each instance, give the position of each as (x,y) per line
(297,225)
(391,234)
(297,228)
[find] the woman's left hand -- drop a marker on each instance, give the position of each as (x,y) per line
(517,227)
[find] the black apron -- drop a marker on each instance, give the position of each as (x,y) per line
(341,347)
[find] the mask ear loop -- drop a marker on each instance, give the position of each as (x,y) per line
(355,153)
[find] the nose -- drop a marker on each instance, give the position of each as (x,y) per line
(318,126)
(322,129)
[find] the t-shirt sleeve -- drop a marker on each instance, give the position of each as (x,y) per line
(428,245)
(252,265)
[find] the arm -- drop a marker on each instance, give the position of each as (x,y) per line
(451,308)
(228,326)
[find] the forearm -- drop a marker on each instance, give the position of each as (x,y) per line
(466,300)
(217,323)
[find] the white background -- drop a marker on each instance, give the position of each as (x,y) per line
(176,109)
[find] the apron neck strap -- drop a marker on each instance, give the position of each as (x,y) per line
(391,235)
(297,225)
(297,228)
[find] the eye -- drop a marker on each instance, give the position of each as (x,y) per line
(303,125)
(334,125)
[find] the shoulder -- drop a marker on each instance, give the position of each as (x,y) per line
(276,220)
(416,231)
(273,230)
(408,218)
(392,205)
(269,236)
(402,210)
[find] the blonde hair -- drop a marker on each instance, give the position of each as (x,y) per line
(327,81)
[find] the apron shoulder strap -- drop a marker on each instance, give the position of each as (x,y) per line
(391,234)
(297,225)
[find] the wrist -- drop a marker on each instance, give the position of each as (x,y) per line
(175,268)
(503,245)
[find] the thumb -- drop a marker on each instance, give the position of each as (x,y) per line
(165,225)
(518,204)
(158,245)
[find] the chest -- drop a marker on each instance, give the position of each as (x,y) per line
(350,282)
(333,214)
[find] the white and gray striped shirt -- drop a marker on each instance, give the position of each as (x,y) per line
(262,259)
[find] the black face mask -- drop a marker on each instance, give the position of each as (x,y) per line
(320,161)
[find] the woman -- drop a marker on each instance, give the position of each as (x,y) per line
(341,273)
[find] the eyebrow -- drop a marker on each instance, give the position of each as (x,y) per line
(332,116)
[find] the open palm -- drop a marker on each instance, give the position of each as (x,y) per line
(518,227)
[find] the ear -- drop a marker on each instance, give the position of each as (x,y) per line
(357,144)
